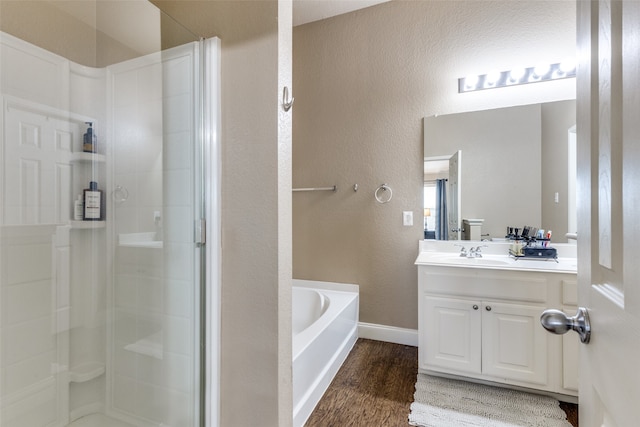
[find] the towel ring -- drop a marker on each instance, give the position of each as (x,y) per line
(380,191)
(120,194)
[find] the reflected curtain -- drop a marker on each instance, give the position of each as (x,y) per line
(441,210)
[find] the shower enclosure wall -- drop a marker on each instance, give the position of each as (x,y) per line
(100,321)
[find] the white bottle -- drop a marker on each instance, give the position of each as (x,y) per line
(78,208)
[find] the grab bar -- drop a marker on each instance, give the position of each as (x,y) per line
(334,188)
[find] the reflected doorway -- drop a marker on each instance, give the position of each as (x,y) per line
(442,197)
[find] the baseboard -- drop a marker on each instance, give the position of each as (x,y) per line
(386,333)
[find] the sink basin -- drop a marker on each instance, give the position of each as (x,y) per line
(455,259)
(482,261)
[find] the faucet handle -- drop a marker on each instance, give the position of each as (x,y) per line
(463,250)
(478,250)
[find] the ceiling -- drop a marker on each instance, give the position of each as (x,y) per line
(305,11)
(141,34)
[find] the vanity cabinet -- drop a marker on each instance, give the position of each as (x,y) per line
(485,324)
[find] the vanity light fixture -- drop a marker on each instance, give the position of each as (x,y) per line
(518,76)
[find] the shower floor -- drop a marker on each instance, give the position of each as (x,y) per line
(98,420)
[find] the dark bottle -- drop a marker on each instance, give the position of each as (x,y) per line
(93,203)
(89,140)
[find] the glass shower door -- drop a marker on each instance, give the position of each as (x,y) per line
(154,340)
(100,188)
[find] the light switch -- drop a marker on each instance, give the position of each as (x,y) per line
(556,197)
(407,218)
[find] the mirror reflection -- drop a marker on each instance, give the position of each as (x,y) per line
(516,170)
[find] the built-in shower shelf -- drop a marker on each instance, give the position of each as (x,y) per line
(87,225)
(86,372)
(82,157)
(149,346)
(140,240)
(143,244)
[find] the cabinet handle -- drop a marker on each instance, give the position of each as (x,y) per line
(488,308)
(475,306)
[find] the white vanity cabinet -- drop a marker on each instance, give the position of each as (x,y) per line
(484,324)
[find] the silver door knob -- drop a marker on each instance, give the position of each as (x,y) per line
(555,321)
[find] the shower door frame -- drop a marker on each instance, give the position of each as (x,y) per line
(211,254)
(206,232)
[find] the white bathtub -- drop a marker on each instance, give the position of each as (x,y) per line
(325,328)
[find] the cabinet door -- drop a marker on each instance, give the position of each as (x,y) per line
(570,358)
(450,330)
(514,345)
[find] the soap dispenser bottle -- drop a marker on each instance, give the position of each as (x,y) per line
(93,203)
(89,140)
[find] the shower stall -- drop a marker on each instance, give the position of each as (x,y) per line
(108,175)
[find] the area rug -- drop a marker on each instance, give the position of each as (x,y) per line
(442,402)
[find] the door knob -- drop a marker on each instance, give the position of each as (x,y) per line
(555,321)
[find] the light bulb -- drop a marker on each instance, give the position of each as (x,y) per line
(517,74)
(492,78)
(541,69)
(471,81)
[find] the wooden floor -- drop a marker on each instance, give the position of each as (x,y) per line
(375,388)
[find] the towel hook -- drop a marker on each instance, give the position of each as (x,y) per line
(287,102)
(380,191)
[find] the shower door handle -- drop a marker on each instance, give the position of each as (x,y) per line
(555,321)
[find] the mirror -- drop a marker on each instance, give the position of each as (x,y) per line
(516,162)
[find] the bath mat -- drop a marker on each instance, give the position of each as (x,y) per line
(442,402)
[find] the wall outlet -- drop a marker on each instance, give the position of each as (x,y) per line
(407,218)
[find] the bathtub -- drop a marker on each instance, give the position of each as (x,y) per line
(325,328)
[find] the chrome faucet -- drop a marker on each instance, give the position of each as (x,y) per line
(476,252)
(463,251)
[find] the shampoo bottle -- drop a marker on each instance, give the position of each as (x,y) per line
(93,203)
(78,209)
(89,140)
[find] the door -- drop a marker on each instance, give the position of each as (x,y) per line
(455,197)
(608,205)
(156,337)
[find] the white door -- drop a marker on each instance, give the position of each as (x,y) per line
(454,196)
(608,128)
(36,171)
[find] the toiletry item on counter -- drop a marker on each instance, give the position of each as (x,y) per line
(541,253)
(78,209)
(89,140)
(93,200)
(516,247)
